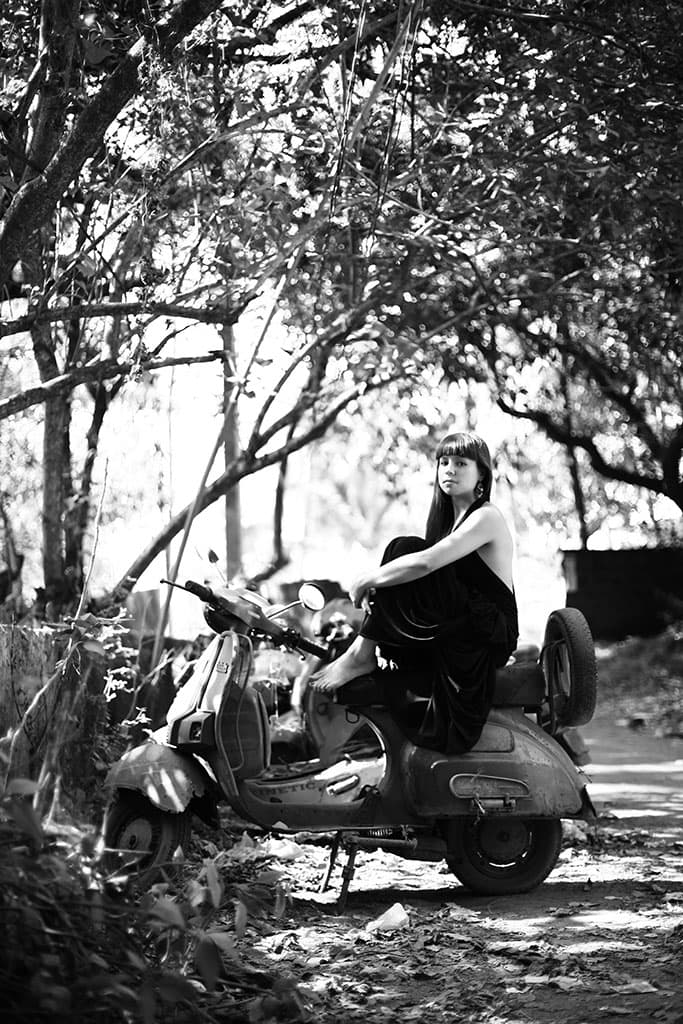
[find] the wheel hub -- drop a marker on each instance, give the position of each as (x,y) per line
(136,835)
(503,842)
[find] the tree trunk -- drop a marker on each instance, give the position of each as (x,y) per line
(77,518)
(56,475)
(579,499)
(574,470)
(279,557)
(232,451)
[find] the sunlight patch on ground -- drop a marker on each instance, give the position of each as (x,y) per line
(637,793)
(592,921)
(600,945)
(673,767)
(636,812)
(620,920)
(634,789)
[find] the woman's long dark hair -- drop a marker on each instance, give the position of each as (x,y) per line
(469,446)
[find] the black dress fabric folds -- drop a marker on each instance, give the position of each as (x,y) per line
(441,639)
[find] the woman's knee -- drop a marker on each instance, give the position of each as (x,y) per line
(402,546)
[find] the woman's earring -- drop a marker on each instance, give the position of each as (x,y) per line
(479,489)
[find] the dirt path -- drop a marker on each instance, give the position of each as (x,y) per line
(601,940)
(636,775)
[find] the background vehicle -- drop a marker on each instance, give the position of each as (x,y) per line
(494,814)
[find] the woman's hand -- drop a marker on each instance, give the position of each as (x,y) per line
(361,591)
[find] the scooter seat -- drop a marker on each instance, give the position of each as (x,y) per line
(517,685)
(521,685)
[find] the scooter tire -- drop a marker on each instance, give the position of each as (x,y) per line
(502,856)
(141,839)
(570,667)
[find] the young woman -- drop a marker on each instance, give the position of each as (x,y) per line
(441,611)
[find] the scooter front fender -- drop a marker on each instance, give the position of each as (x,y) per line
(167,778)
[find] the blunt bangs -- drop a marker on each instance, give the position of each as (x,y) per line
(467,446)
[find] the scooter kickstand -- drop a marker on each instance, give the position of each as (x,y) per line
(325,884)
(347,875)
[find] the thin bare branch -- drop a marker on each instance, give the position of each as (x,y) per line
(214,314)
(236,471)
(96,371)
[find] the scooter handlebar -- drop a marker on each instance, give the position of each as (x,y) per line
(205,594)
(311,647)
(258,620)
(232,604)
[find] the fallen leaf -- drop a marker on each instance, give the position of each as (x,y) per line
(214,883)
(637,985)
(566,984)
(240,918)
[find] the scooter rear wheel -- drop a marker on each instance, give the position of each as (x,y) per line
(142,839)
(500,856)
(570,667)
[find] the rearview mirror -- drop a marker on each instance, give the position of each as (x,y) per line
(311,597)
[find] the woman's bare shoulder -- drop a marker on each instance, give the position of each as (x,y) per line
(496,518)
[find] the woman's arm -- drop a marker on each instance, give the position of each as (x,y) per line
(482,527)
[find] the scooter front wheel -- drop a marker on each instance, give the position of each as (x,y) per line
(495,856)
(141,838)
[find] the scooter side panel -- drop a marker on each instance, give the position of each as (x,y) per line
(515,768)
(292,815)
(168,779)
(315,802)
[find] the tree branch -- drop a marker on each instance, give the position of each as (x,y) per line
(236,471)
(607,380)
(564,436)
(34,203)
(671,465)
(218,314)
(608,383)
(94,372)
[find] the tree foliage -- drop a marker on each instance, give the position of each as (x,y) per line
(491,190)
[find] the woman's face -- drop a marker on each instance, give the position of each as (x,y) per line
(458,476)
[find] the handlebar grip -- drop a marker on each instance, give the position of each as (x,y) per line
(311,647)
(203,593)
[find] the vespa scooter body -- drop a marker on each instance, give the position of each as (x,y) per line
(216,748)
(216,738)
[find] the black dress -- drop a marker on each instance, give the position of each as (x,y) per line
(441,639)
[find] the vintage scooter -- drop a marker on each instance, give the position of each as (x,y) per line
(493,814)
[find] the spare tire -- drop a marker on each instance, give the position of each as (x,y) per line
(568,660)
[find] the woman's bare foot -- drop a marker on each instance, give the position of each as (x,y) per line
(357,661)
